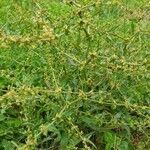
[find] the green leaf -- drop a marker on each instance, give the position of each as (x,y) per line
(109,146)
(2,117)
(13,123)
(53,129)
(124,146)
(109,138)
(3,129)
(3,82)
(7,145)
(64,140)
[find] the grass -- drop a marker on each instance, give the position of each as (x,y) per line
(74,75)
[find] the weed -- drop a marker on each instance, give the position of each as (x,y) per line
(74,75)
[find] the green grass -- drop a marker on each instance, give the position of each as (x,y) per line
(74,75)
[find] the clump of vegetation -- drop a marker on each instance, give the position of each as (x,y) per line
(74,75)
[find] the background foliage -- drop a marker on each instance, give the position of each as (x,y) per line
(74,74)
